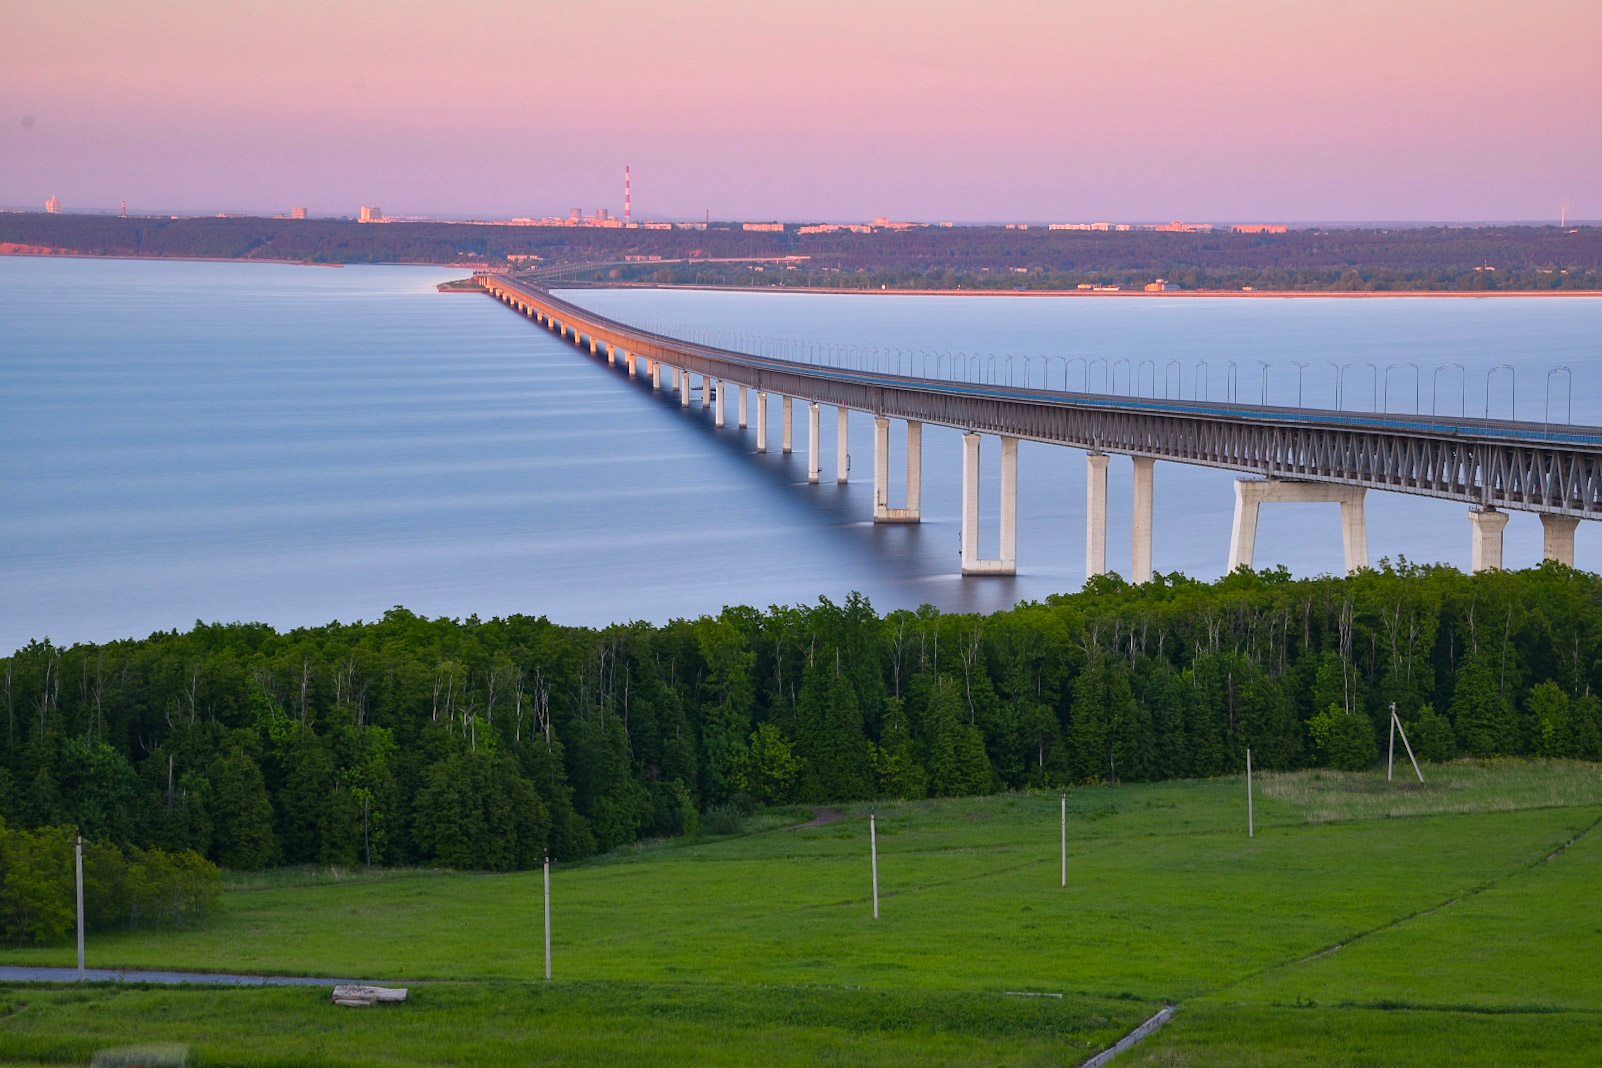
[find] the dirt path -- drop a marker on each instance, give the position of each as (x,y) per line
(822,817)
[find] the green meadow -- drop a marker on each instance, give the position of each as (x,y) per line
(1366,923)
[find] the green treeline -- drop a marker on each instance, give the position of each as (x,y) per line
(486,744)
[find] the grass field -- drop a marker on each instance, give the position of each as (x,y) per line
(1367,923)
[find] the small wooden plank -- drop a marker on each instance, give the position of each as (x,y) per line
(356,995)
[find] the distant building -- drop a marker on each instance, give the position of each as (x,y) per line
(1259,228)
(836,228)
(575,215)
(371,215)
(1162,285)
(297,213)
(1177,227)
(1017,226)
(53,205)
(766,228)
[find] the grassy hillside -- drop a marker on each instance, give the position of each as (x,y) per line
(1366,923)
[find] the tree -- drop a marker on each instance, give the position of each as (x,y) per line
(771,768)
(1344,739)
(241,815)
(1481,713)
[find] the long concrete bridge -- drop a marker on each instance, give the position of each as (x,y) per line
(1287,454)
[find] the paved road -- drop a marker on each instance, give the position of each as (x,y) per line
(100,975)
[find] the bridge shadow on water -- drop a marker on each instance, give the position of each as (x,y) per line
(922,560)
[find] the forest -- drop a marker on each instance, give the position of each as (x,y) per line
(1355,259)
(488,744)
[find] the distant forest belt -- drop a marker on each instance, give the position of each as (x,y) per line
(921,260)
(1314,294)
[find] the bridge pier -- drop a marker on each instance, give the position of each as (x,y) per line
(717,417)
(1252,493)
(842,455)
(1557,537)
(684,387)
(1485,548)
(1095,514)
(656,375)
(787,439)
(611,355)
(814,432)
(706,392)
(762,421)
(882,512)
(1140,555)
(744,407)
(629,359)
(1007,563)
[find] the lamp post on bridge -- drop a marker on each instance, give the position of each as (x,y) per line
(1462,385)
(1513,378)
(1569,390)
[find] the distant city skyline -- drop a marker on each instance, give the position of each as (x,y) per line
(1254,110)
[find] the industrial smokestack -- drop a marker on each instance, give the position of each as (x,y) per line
(628,193)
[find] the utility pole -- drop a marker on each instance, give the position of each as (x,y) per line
(79,852)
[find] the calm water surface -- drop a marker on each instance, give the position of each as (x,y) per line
(183,441)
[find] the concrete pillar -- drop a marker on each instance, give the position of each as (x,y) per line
(684,388)
(629,358)
(1252,493)
(1009,506)
(1140,569)
(1354,528)
(882,512)
(1557,537)
(676,373)
(611,355)
(1095,514)
(744,407)
(814,432)
(1486,548)
(842,455)
(656,375)
(970,503)
(1007,562)
(762,421)
(881,468)
(787,441)
(914,507)
(706,391)
(717,417)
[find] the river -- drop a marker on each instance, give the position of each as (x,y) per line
(225,441)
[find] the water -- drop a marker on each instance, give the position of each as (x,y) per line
(183,441)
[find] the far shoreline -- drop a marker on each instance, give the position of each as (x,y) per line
(35,252)
(1341,294)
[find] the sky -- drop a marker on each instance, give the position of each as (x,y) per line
(1038,110)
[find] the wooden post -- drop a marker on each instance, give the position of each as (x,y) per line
(547,919)
(1065,841)
(1397,722)
(1390,751)
(80,906)
(873,846)
(1251,815)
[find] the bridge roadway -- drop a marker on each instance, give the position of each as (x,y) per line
(1292,454)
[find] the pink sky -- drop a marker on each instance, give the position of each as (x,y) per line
(1026,109)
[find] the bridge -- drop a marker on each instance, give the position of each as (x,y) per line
(1286,454)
